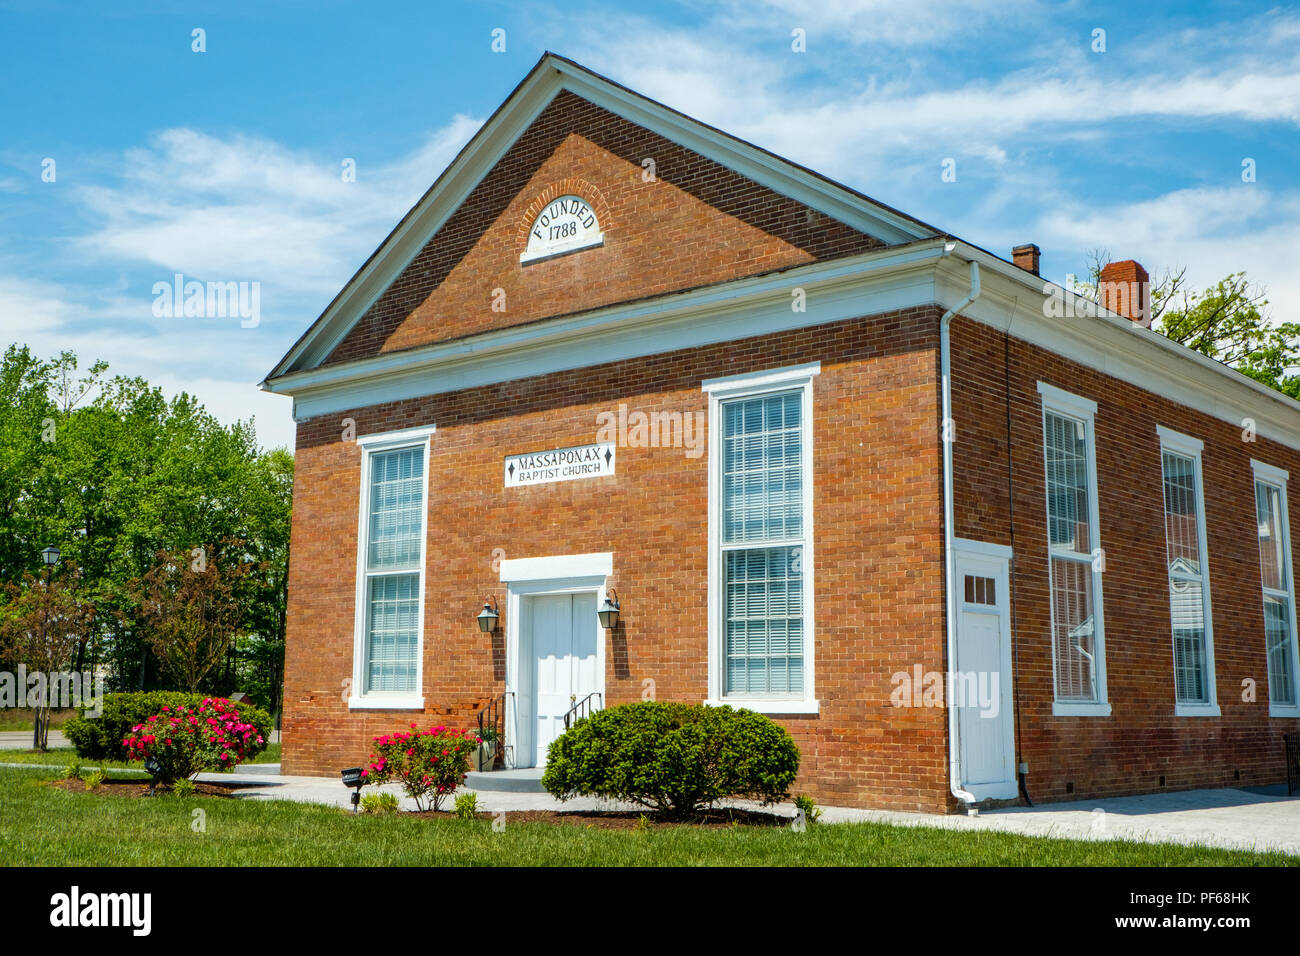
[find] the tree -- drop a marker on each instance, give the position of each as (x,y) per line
(191,606)
(268,506)
(1229,321)
(112,471)
(26,446)
(43,625)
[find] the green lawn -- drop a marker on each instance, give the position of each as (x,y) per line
(40,825)
(21,719)
(62,756)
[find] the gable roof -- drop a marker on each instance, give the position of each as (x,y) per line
(552,75)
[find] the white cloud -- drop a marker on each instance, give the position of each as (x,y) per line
(1211,231)
(216,209)
(863,113)
(247,209)
(50,319)
(874,22)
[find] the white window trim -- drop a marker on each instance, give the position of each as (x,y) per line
(1058,400)
(1272,475)
(747,386)
(1188,447)
(370,445)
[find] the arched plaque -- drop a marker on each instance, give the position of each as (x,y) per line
(564,225)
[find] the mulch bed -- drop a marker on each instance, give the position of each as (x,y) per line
(627,819)
(136,788)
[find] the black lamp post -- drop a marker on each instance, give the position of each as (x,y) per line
(352,778)
(488,617)
(609,611)
(49,557)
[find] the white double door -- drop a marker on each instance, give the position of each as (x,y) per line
(561,647)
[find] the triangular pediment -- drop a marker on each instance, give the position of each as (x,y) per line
(579,194)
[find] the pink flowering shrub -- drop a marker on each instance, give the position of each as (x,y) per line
(429,764)
(187,740)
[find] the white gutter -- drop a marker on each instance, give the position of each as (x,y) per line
(948,436)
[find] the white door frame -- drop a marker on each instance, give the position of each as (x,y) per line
(993,560)
(530,577)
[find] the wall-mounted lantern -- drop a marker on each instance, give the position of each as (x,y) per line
(608,612)
(487,618)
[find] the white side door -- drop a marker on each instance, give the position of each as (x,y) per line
(981,686)
(564,653)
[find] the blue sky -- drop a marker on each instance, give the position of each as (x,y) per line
(225,165)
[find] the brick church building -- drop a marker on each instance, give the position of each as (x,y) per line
(964,533)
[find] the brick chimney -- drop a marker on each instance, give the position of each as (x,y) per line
(1026,256)
(1124,287)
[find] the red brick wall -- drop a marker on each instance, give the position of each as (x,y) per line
(698,223)
(1142,740)
(878,557)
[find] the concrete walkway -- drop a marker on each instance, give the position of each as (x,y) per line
(1258,819)
(1228,819)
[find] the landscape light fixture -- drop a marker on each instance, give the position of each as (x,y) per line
(153,768)
(352,778)
(488,617)
(608,612)
(50,556)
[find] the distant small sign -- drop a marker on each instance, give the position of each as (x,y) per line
(560,464)
(564,225)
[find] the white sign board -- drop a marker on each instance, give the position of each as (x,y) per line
(560,464)
(563,225)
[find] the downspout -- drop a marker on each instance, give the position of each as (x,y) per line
(949,532)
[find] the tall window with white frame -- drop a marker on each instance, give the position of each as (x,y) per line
(1278,588)
(1189,583)
(393,571)
(1074,557)
(763,539)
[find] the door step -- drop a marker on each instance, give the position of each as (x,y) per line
(526,780)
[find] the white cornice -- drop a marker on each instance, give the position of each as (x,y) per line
(928,272)
(834,290)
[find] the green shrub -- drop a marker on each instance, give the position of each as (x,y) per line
(380,803)
(804,804)
(72,771)
(184,787)
(94,779)
(467,806)
(429,764)
(100,738)
(677,759)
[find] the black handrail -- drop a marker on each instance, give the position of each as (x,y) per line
(492,716)
(573,715)
(1292,742)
